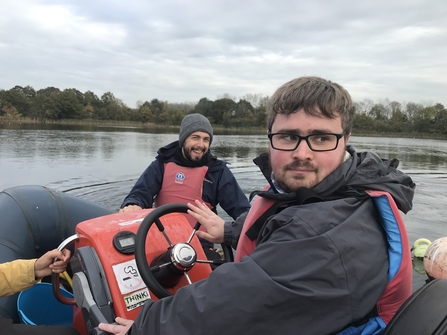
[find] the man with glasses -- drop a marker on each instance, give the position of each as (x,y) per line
(323,249)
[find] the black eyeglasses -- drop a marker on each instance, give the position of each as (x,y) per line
(316,142)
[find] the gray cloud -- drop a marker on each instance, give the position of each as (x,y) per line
(183,50)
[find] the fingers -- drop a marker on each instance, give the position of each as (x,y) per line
(216,237)
(112,329)
(66,255)
(121,328)
(204,208)
(204,235)
(122,321)
(52,254)
(129,208)
(199,210)
(58,267)
(62,258)
(198,206)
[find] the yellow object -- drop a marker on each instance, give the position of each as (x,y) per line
(16,276)
(418,265)
(66,276)
(420,247)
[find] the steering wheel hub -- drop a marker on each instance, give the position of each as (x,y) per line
(183,256)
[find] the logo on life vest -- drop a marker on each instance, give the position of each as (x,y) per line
(179,177)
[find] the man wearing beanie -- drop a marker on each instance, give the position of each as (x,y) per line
(192,123)
(184,171)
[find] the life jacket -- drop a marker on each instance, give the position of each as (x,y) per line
(399,286)
(247,241)
(182,185)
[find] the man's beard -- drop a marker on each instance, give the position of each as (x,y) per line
(298,181)
(188,155)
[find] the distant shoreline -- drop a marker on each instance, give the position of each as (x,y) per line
(218,130)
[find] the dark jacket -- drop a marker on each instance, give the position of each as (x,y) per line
(220,186)
(324,267)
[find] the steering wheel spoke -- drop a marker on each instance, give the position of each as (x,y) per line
(208,261)
(187,278)
(167,238)
(156,268)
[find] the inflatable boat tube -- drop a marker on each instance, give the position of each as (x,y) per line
(34,220)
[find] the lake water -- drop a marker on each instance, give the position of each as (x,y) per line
(102,164)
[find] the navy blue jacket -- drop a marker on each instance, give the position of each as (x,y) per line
(220,186)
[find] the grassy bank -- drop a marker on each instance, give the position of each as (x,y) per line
(78,122)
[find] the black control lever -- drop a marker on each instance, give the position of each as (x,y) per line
(84,300)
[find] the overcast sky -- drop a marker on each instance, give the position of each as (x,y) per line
(184,50)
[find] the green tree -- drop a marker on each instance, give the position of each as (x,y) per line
(204,107)
(398,121)
(9,112)
(44,107)
(107,98)
(220,109)
(363,123)
(378,112)
(177,117)
(112,108)
(424,119)
(440,119)
(243,115)
(145,114)
(17,99)
(91,104)
(261,116)
(158,108)
(45,104)
(69,105)
(411,109)
(27,91)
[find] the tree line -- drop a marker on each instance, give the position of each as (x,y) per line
(249,111)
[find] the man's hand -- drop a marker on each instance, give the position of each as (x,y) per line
(213,224)
(44,266)
(122,327)
(130,208)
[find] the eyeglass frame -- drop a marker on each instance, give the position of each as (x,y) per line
(306,138)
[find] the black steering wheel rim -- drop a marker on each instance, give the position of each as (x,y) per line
(140,247)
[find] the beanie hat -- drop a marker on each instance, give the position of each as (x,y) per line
(192,123)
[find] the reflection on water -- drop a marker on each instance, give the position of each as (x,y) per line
(239,146)
(102,164)
(86,127)
(414,154)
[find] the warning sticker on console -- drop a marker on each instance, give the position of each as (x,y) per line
(128,277)
(136,299)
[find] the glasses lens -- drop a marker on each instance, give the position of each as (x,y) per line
(285,141)
(323,142)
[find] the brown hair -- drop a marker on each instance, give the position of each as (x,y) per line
(316,96)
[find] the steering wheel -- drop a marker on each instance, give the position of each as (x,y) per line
(178,260)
